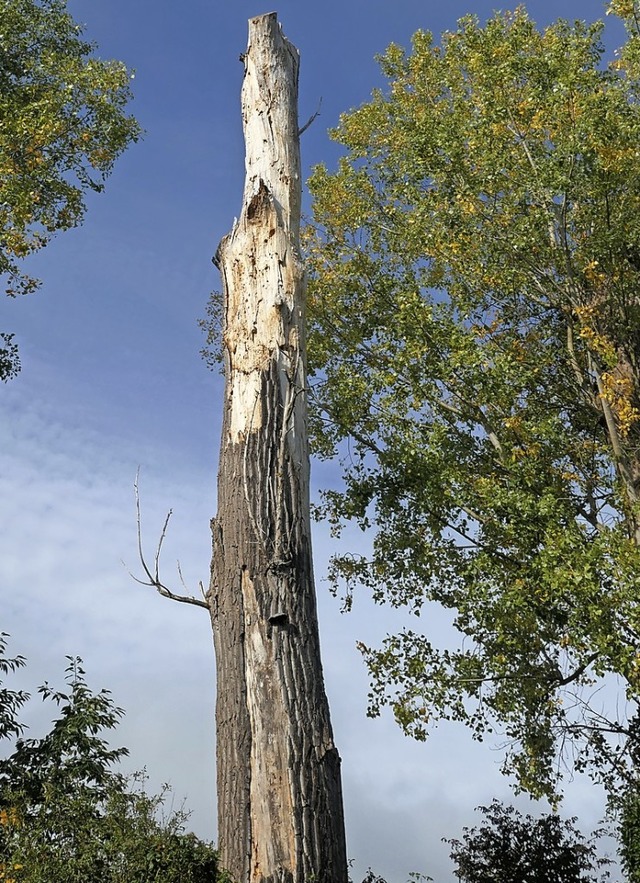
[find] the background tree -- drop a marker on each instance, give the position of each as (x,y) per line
(626,811)
(511,848)
(475,268)
(629,834)
(68,814)
(62,126)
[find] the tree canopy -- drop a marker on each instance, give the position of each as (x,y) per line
(475,354)
(62,126)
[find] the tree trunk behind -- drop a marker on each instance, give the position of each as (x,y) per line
(279,792)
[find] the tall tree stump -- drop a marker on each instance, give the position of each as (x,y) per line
(279,791)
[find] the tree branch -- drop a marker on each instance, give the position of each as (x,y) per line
(312,118)
(153,577)
(576,673)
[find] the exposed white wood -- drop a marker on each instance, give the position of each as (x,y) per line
(260,259)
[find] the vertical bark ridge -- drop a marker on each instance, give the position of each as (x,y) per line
(279,791)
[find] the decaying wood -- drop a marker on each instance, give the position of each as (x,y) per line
(279,792)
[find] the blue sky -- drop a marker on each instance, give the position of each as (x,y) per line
(112,380)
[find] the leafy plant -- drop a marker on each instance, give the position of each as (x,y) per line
(511,848)
(475,349)
(62,126)
(628,813)
(66,812)
(11,701)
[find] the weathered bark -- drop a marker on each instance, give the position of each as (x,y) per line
(279,792)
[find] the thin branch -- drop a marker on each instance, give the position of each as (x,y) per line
(153,578)
(573,360)
(521,142)
(612,429)
(481,418)
(311,119)
(200,585)
(578,672)
(620,458)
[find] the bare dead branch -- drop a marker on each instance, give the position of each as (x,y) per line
(153,578)
(311,119)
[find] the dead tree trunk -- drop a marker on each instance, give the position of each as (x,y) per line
(279,792)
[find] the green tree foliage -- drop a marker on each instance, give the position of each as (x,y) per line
(11,701)
(628,807)
(511,848)
(67,814)
(625,809)
(62,126)
(475,355)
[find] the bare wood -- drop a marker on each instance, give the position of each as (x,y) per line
(279,792)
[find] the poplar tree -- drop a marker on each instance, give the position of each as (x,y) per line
(475,338)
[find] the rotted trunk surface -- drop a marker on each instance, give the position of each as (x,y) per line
(279,791)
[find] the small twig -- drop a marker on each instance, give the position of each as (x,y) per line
(153,579)
(200,584)
(311,119)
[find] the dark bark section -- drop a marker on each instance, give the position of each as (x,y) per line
(262,549)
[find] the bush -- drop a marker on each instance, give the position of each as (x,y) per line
(68,815)
(511,848)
